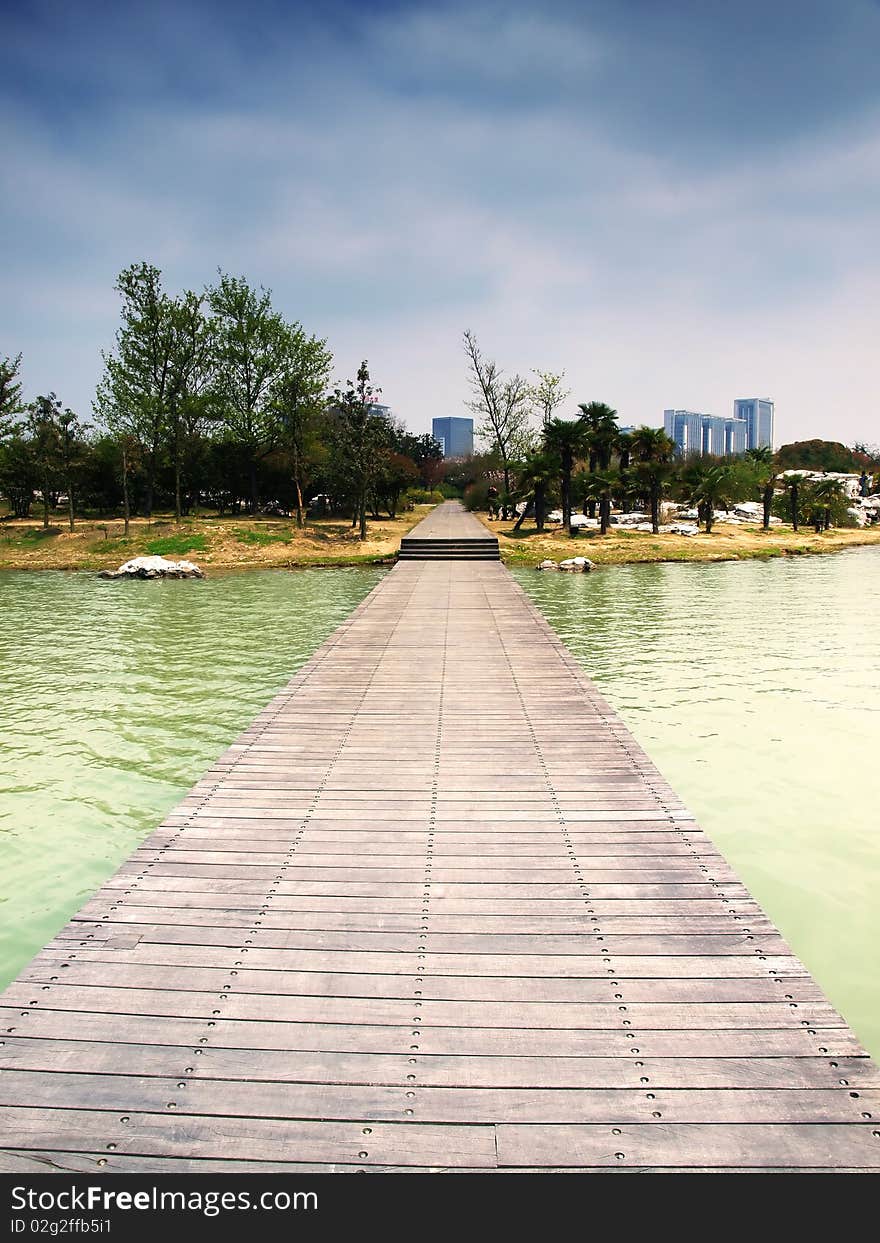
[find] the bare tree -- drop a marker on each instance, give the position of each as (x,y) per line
(501,405)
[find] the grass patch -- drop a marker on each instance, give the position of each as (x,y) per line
(176,545)
(263,539)
(36,535)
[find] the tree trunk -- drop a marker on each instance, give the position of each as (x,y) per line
(298,489)
(768,501)
(125,502)
(540,506)
(177,506)
(827,519)
(45,509)
(793,498)
(604,514)
(655,512)
(710,517)
(504,513)
(253,477)
(70,516)
(363,517)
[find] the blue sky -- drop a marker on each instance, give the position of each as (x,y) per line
(675,201)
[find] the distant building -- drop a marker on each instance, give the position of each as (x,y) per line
(758,413)
(455,436)
(685,427)
(697,434)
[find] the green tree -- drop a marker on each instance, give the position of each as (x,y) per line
(10,394)
(600,421)
(19,476)
(566,440)
(536,478)
(763,464)
(299,405)
(139,379)
(793,481)
(651,466)
(359,440)
(547,395)
(251,348)
(44,428)
(600,487)
(710,485)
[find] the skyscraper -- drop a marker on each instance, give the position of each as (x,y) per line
(455,436)
(758,414)
(698,434)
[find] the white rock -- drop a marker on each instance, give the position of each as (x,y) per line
(154,567)
(576,565)
(547,565)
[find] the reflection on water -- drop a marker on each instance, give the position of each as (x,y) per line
(114,697)
(755,688)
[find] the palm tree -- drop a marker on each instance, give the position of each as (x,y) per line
(766,471)
(601,486)
(565,439)
(652,452)
(793,480)
(710,485)
(600,421)
(535,479)
(824,494)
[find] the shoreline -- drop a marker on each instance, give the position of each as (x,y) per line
(229,545)
(526,548)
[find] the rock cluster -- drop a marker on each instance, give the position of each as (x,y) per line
(154,567)
(573,565)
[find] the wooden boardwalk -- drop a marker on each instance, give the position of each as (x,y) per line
(435,909)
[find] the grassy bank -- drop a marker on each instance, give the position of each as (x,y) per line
(213,543)
(725,543)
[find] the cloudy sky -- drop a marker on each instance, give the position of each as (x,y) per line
(675,201)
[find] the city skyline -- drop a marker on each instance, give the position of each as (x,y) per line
(654,199)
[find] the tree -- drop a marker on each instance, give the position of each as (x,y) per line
(600,421)
(793,481)
(566,439)
(10,394)
(297,399)
(548,394)
(539,472)
(252,344)
(502,406)
(710,485)
(18,473)
(43,423)
(826,496)
(70,456)
(766,471)
(139,376)
(191,396)
(651,466)
(816,455)
(360,435)
(600,487)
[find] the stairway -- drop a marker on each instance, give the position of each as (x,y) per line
(484,548)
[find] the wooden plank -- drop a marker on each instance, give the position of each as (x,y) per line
(826,1146)
(376,1102)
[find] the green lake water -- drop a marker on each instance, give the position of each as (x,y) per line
(114,697)
(755,687)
